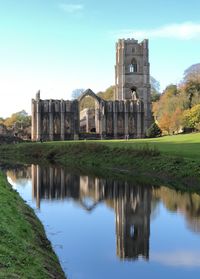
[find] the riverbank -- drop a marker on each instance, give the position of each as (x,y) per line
(25,251)
(172,160)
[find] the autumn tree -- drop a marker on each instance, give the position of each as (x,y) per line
(108,94)
(191,117)
(171,90)
(176,120)
(168,110)
(165,123)
(19,122)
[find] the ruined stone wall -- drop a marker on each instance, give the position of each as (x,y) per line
(60,120)
(54,119)
(124,118)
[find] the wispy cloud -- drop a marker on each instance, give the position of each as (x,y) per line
(71,8)
(183,31)
(179,258)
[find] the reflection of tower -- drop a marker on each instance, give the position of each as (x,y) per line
(133,222)
(131,203)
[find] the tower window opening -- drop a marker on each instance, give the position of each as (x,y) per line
(133,66)
(134,92)
(132,231)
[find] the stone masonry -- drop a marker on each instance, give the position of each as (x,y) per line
(132,74)
(128,116)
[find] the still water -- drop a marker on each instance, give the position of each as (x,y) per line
(103,228)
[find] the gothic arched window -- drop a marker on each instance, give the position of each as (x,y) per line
(133,66)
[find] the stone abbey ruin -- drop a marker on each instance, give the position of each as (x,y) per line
(128,116)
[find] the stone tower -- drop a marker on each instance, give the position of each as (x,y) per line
(132,78)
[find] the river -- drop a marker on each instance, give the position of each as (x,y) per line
(111,228)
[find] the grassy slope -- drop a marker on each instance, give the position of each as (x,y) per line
(178,161)
(24,250)
(187,146)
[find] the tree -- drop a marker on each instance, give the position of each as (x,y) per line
(155,89)
(108,94)
(191,84)
(19,123)
(165,123)
(169,108)
(87,102)
(191,118)
(176,120)
(153,131)
(192,73)
(77,92)
(171,90)
(1,120)
(19,119)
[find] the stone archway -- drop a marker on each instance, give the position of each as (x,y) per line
(90,119)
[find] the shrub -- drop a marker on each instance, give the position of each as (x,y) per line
(153,131)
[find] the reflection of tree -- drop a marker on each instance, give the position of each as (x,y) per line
(186,203)
(154,208)
(20,175)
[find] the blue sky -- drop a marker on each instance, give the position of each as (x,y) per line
(59,45)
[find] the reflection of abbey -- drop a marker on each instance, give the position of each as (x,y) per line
(131,203)
(129,115)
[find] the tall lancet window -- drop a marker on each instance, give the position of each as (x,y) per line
(133,66)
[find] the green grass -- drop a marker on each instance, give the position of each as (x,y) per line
(174,159)
(25,252)
(187,145)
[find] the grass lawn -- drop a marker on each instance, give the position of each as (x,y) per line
(187,145)
(172,158)
(25,251)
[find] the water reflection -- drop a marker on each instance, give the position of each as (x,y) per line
(133,206)
(187,204)
(131,203)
